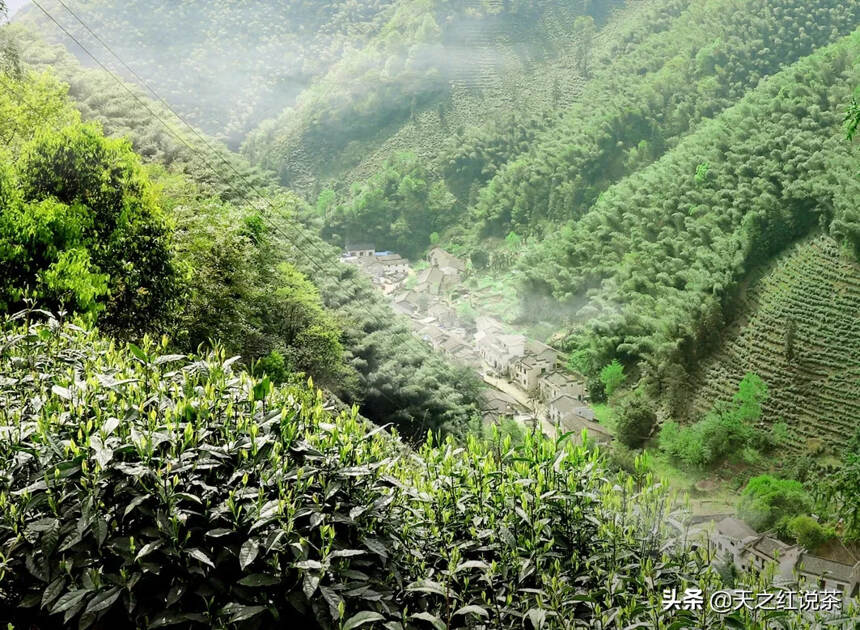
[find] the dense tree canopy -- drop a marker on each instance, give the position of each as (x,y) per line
(80,226)
(660,254)
(236,244)
(397,209)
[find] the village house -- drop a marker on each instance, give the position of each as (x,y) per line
(538,359)
(562,407)
(445,315)
(393,263)
(596,432)
(433,281)
(729,537)
(830,575)
(750,551)
(555,383)
(452,345)
(541,351)
(762,551)
(529,369)
(467,356)
(496,404)
(433,335)
(500,351)
(438,257)
(406,303)
(586,413)
(360,250)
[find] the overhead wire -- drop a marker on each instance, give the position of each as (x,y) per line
(408,338)
(260,194)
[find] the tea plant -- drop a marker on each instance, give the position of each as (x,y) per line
(142,489)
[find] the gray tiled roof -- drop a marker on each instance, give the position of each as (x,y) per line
(825,568)
(735,528)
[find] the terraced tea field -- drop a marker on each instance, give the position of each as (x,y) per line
(817,392)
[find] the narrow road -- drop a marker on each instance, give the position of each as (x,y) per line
(521,397)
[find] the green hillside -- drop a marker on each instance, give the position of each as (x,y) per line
(225,67)
(236,230)
(649,272)
(214,415)
(658,90)
(799,330)
(434,67)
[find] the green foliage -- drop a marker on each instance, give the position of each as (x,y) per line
(809,532)
(80,227)
(291,513)
(612,376)
(399,208)
(274,366)
(636,419)
(234,265)
(425,49)
(684,64)
(768,501)
(844,487)
(513,241)
(658,257)
(852,119)
(596,390)
(725,430)
(752,393)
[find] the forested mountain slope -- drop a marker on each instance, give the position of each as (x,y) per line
(657,259)
(223,66)
(435,67)
(237,240)
(656,71)
(659,87)
(800,331)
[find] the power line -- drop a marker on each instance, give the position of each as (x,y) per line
(58,129)
(409,337)
(122,84)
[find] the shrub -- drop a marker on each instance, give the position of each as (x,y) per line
(767,500)
(612,375)
(636,419)
(725,430)
(809,532)
(142,489)
(81,229)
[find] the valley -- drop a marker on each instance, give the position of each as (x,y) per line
(408,314)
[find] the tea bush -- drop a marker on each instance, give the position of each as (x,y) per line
(141,489)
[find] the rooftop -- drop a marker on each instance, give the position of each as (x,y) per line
(770,546)
(735,528)
(359,247)
(557,379)
(446,259)
(816,565)
(565,404)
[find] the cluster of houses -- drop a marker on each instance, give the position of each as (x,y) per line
(386,269)
(496,404)
(532,366)
(433,319)
(442,275)
(536,368)
(748,550)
